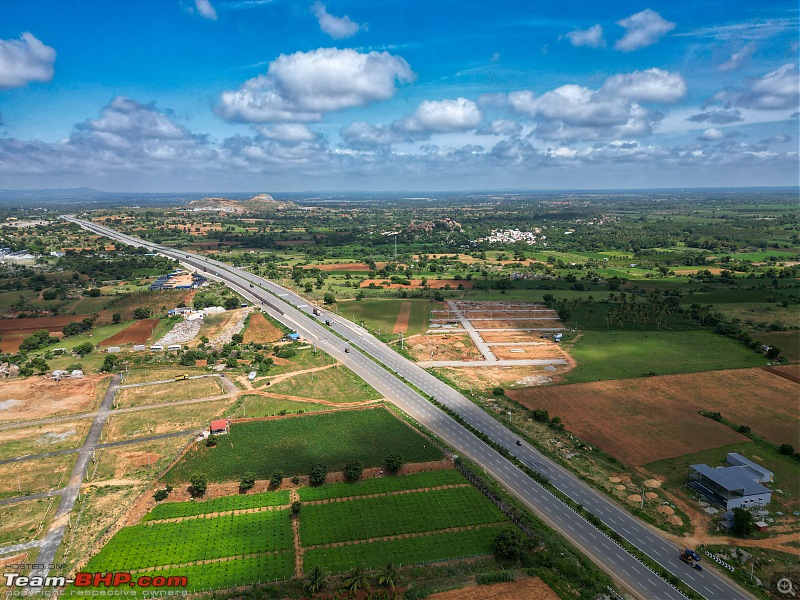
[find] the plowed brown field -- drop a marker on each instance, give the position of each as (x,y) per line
(29,326)
(138,333)
(645,420)
(260,330)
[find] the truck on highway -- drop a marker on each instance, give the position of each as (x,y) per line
(315,311)
(692,558)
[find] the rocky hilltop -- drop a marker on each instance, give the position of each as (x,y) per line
(259,202)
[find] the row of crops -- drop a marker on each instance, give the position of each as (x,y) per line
(426,548)
(426,479)
(391,515)
(171,510)
(181,542)
(293,446)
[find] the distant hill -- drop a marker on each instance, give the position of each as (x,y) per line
(259,202)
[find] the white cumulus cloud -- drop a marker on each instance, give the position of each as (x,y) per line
(777,90)
(205,9)
(305,85)
(441,116)
(592,37)
(651,85)
(25,60)
(642,29)
(336,27)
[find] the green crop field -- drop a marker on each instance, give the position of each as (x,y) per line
(396,514)
(425,548)
(337,384)
(253,405)
(382,314)
(305,358)
(171,510)
(382,485)
(171,543)
(624,354)
(294,444)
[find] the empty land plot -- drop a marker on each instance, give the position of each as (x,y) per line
(31,325)
(142,546)
(143,423)
(517,324)
(449,545)
(24,521)
(623,354)
(646,420)
(171,510)
(528,588)
(364,487)
(169,392)
(34,476)
(160,374)
(261,330)
(380,516)
(338,384)
(305,358)
(38,397)
(493,337)
(491,377)
(294,444)
(446,346)
(378,314)
(43,438)
(255,405)
(158,301)
(544,351)
(137,333)
(141,461)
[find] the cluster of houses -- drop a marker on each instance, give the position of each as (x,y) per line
(7,254)
(511,236)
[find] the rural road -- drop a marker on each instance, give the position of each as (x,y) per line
(391,373)
(473,334)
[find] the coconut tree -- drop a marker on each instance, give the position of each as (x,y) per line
(316,580)
(388,576)
(356,580)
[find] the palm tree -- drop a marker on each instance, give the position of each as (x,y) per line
(389,576)
(356,579)
(316,580)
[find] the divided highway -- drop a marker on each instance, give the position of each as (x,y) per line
(294,311)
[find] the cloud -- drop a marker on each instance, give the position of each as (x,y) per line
(336,27)
(777,90)
(205,9)
(592,37)
(642,29)
(500,127)
(738,59)
(743,30)
(366,135)
(714,135)
(441,116)
(776,139)
(652,85)
(289,133)
(717,117)
(25,60)
(305,85)
(613,111)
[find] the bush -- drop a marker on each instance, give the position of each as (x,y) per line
(498,391)
(744,429)
(276,479)
(496,577)
(110,363)
(231,303)
(296,506)
(143,312)
(211,441)
(510,545)
(394,462)
(160,495)
(199,483)
(318,473)
(786,449)
(353,470)
(248,481)
(540,415)
(83,349)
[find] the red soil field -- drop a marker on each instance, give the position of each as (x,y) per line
(645,420)
(138,333)
(340,267)
(434,284)
(29,326)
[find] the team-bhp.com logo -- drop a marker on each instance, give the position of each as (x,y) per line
(95,580)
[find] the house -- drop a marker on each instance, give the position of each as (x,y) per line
(113,349)
(218,427)
(157,348)
(139,347)
(761,474)
(174,347)
(293,337)
(729,487)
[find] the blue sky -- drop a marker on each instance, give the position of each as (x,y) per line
(284,95)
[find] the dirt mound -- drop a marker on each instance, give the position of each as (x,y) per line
(675,520)
(652,483)
(619,487)
(650,495)
(666,510)
(634,498)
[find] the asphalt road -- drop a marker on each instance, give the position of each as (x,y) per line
(294,311)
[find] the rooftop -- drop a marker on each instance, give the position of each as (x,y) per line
(733,478)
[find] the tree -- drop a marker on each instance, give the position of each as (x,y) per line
(393,462)
(510,545)
(110,363)
(318,474)
(211,441)
(773,353)
(353,470)
(199,483)
(786,449)
(143,312)
(116,318)
(743,522)
(276,479)
(356,580)
(329,298)
(296,506)
(237,338)
(248,481)
(389,576)
(160,495)
(316,580)
(231,302)
(231,363)
(83,349)
(498,391)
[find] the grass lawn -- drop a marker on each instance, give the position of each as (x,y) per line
(169,392)
(338,384)
(21,522)
(264,406)
(787,341)
(305,358)
(141,461)
(162,420)
(294,444)
(624,354)
(383,314)
(34,476)
(43,438)
(159,374)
